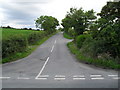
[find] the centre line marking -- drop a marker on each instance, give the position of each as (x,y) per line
(52,48)
(5,77)
(55,41)
(96,78)
(42,68)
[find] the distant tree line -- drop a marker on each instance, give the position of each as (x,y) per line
(15,28)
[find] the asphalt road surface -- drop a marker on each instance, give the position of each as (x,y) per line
(52,65)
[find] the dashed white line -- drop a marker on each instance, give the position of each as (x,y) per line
(23,78)
(113,75)
(78,78)
(97,78)
(52,48)
(59,78)
(95,75)
(42,68)
(75,76)
(116,78)
(55,41)
(5,77)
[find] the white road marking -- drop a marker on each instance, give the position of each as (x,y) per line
(113,75)
(41,78)
(78,78)
(23,78)
(42,68)
(52,48)
(97,78)
(55,41)
(59,78)
(95,75)
(5,77)
(75,76)
(44,76)
(116,78)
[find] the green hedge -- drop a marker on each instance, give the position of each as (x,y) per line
(19,43)
(13,45)
(80,39)
(34,37)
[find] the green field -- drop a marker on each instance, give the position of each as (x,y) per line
(8,32)
(18,43)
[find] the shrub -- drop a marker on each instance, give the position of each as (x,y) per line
(71,32)
(13,45)
(80,39)
(18,40)
(92,47)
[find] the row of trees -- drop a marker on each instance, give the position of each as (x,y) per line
(102,35)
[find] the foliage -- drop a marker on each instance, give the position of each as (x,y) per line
(108,29)
(101,37)
(66,35)
(80,39)
(28,51)
(47,23)
(71,32)
(15,40)
(90,60)
(78,19)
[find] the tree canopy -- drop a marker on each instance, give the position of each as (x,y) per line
(78,19)
(47,23)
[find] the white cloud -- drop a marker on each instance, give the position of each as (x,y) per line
(22,13)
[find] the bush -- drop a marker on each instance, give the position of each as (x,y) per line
(71,32)
(15,42)
(66,35)
(92,47)
(80,39)
(34,37)
(13,45)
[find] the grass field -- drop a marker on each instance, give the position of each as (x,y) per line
(8,32)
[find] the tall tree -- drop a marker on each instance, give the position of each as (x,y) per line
(109,28)
(47,23)
(78,19)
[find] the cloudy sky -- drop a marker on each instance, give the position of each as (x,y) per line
(22,13)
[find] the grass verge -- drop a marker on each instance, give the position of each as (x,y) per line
(28,51)
(89,60)
(67,36)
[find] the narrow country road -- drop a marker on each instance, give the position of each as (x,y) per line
(53,66)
